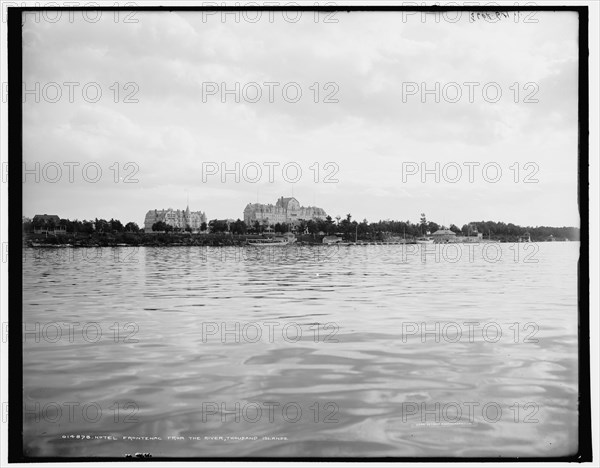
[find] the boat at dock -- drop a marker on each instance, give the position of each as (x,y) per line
(276,241)
(332,240)
(48,246)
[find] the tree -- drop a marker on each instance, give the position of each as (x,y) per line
(302,226)
(203,226)
(346,226)
(87,227)
(354,230)
(218,225)
(132,227)
(312,226)
(162,226)
(69,225)
(330,227)
(432,227)
(423,223)
(101,225)
(116,225)
(363,229)
(238,227)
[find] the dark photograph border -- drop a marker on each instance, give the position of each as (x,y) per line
(15,268)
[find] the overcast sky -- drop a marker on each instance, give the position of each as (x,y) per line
(377,134)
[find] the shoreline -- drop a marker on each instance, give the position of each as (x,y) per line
(79,240)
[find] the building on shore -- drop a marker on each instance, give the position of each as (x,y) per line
(443,235)
(181,219)
(286,210)
(46,219)
(48,224)
(525,237)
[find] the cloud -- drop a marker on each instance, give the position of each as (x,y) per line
(153,112)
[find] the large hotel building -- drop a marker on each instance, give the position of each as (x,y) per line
(176,218)
(286,210)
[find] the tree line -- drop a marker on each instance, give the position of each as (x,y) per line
(83,226)
(346,227)
(350,229)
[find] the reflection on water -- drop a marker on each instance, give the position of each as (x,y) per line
(337,351)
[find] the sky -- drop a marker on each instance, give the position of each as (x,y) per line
(384,97)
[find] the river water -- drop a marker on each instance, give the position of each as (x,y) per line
(405,351)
